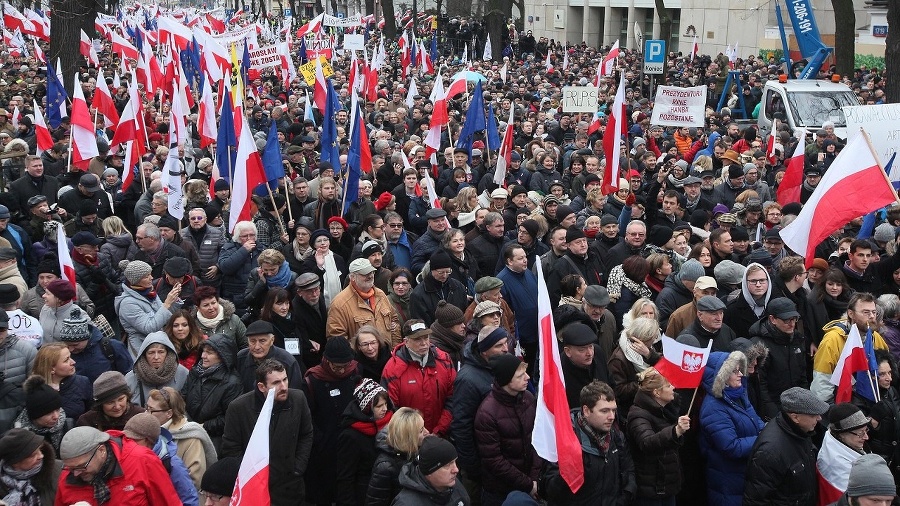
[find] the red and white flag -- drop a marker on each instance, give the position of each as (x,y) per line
(612,139)
(504,156)
(87,49)
(547,65)
(852,360)
(66,267)
(681,364)
(41,132)
(439,118)
(695,48)
(609,61)
(103,102)
(320,94)
(84,136)
(252,485)
(121,46)
(853,186)
(553,437)
(248,174)
(771,159)
(39,53)
(131,159)
(206,123)
(833,469)
(789,189)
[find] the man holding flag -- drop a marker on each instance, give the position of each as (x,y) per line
(290,438)
(861,312)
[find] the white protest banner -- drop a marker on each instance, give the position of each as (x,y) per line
(264,57)
(348,22)
(354,42)
(229,39)
(880,122)
(682,107)
(579,99)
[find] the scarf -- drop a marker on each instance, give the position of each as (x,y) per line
(634,357)
(370,428)
(211,323)
(101,489)
(401,304)
(446,340)
(301,256)
(83,259)
(570,301)
(156,377)
(331,280)
(206,371)
(654,284)
(601,440)
(148,293)
(21,491)
(368,296)
(282,278)
(618,279)
(736,394)
(52,434)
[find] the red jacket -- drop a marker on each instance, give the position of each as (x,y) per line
(142,482)
(427,389)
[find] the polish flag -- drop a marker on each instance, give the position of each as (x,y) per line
(612,139)
(206,123)
(66,267)
(695,48)
(103,102)
(320,94)
(595,124)
(215,23)
(789,189)
(131,124)
(41,132)
(252,485)
(852,360)
(771,159)
(439,118)
(609,61)
(833,469)
(122,47)
(131,159)
(504,156)
(458,85)
(84,136)
(681,364)
(547,64)
(553,437)
(86,47)
(248,174)
(853,186)
(39,53)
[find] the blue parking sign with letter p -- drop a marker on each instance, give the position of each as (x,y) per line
(654,56)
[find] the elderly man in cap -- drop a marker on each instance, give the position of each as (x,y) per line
(177,271)
(144,429)
(870,483)
(437,284)
(431,479)
(848,431)
(710,326)
(310,314)
(361,303)
(261,347)
(106,468)
(583,361)
(86,220)
(290,431)
(684,316)
(578,259)
(412,361)
(373,252)
(431,240)
(88,188)
(39,215)
(490,288)
(782,467)
(94,272)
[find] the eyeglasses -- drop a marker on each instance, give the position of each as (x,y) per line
(400,283)
(757,281)
(395,225)
(198,218)
(371,344)
(84,466)
(860,434)
(212,497)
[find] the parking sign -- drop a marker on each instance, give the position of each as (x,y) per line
(654,56)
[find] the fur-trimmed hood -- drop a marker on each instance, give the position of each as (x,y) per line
(719,368)
(753,349)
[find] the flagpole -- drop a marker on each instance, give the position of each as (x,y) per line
(287,194)
(872,385)
(878,161)
(691,405)
(275,208)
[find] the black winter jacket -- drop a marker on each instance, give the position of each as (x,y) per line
(655,444)
(471,386)
(207,396)
(429,292)
(385,481)
(782,467)
(785,366)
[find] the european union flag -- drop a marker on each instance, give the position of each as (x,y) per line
(329,146)
(864,383)
(271,158)
(302,51)
(56,98)
(475,121)
(226,142)
(493,135)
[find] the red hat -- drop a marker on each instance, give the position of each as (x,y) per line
(338,219)
(155,136)
(634,174)
(383,201)
(478,145)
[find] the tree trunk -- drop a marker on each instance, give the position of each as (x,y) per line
(665,23)
(390,24)
(494,24)
(845,36)
(892,53)
(68,18)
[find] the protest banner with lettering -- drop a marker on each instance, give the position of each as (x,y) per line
(354,42)
(579,99)
(229,39)
(264,57)
(348,22)
(882,123)
(318,45)
(683,107)
(308,70)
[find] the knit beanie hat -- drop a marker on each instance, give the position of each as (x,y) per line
(49,265)
(18,444)
(869,475)
(885,233)
(660,235)
(75,327)
(383,201)
(447,315)
(135,270)
(532,227)
(220,476)
(338,350)
(489,336)
(440,260)
(691,270)
(366,392)
(61,289)
(143,426)
(40,398)
(504,367)
(109,386)
(434,454)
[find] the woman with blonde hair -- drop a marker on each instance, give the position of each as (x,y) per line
(656,434)
(195,447)
(638,350)
(54,363)
(396,444)
(119,243)
(642,308)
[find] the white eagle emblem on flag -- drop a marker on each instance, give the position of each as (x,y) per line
(691,362)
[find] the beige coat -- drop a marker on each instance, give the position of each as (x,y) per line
(349,312)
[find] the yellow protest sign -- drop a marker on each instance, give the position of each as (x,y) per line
(308,70)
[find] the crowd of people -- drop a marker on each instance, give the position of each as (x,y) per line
(401,337)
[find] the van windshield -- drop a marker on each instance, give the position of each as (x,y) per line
(812,108)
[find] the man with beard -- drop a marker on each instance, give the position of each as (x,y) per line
(326,206)
(309,313)
(694,198)
(361,303)
(290,433)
